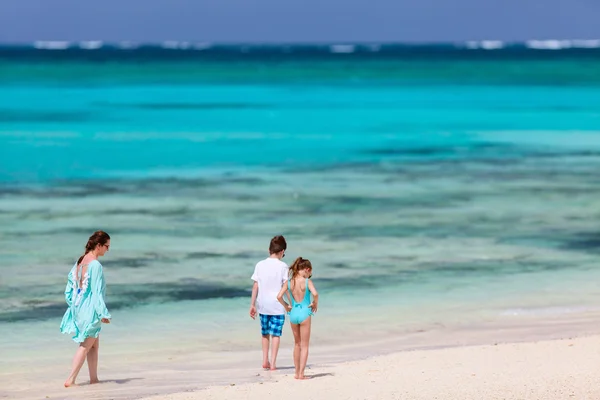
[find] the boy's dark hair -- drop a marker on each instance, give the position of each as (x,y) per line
(278,244)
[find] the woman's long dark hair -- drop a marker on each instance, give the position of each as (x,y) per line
(98,238)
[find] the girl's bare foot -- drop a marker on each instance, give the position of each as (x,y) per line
(69,383)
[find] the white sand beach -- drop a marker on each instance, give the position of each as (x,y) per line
(530,358)
(557,369)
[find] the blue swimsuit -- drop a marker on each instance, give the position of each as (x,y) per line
(300,311)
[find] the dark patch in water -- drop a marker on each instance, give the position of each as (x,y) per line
(362,166)
(41,312)
(27,116)
(75,189)
(137,187)
(48,311)
(199,255)
(246,197)
(127,295)
(76,231)
(490,267)
(174,212)
(353,232)
(356,204)
(136,262)
(588,242)
(555,189)
(466,149)
(187,106)
(363,282)
(189,289)
(479,153)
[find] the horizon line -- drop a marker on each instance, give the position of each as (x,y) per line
(333,46)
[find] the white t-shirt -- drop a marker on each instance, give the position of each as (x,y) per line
(270,274)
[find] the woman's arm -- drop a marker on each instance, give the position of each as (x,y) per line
(280,297)
(69,291)
(313,291)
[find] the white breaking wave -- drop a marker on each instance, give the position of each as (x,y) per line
(485,44)
(586,44)
(51,45)
(492,44)
(170,44)
(91,45)
(342,48)
(173,44)
(548,44)
(533,311)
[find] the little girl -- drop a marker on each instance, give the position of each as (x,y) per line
(301,310)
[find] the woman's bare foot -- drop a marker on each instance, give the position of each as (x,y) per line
(94,381)
(302,377)
(69,383)
(273,368)
(266,365)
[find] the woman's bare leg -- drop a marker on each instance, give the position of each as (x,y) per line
(92,361)
(296,332)
(79,359)
(304,342)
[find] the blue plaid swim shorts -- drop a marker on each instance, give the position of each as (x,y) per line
(271,324)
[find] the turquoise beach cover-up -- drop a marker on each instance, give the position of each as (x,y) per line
(86,304)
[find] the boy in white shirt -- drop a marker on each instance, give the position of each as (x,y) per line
(269,275)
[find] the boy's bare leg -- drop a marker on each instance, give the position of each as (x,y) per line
(265,348)
(275,340)
(304,342)
(296,332)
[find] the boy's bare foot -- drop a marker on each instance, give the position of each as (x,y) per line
(69,383)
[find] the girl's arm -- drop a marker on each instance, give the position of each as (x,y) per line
(287,307)
(313,291)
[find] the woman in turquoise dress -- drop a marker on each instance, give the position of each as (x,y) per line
(87,311)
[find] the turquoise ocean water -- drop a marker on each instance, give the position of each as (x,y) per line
(430,186)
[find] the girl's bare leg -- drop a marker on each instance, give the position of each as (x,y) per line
(304,342)
(79,359)
(92,361)
(296,332)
